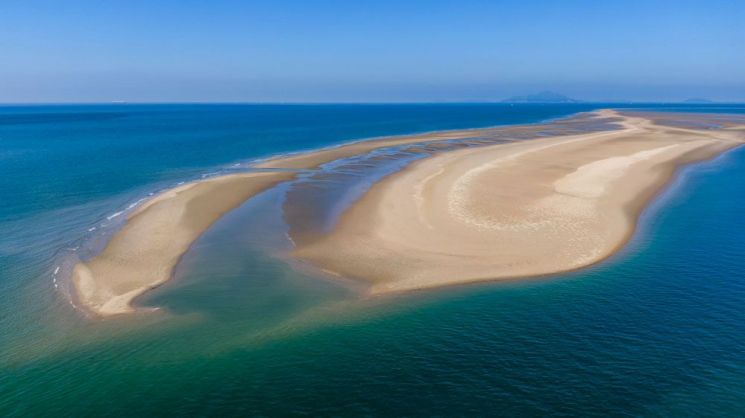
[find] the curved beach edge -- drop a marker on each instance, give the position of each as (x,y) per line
(142,255)
(502,212)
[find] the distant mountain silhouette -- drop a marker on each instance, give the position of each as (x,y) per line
(542,97)
(697,100)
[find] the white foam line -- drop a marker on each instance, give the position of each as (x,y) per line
(114,215)
(136,203)
(54,277)
(289,238)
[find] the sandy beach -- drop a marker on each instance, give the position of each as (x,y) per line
(521,209)
(501,207)
(144,252)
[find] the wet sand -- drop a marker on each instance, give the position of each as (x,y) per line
(521,209)
(144,252)
(488,206)
(315,158)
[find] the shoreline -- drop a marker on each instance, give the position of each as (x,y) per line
(144,252)
(107,283)
(658,198)
(397,259)
(275,161)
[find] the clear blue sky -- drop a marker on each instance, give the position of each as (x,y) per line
(360,51)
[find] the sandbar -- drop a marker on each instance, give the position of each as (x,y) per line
(144,252)
(516,201)
(511,210)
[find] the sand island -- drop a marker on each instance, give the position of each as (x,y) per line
(510,202)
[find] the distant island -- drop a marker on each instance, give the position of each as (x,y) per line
(697,100)
(542,97)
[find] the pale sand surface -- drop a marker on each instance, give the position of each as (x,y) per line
(525,208)
(521,208)
(143,253)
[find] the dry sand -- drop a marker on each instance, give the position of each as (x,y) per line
(526,208)
(521,208)
(144,252)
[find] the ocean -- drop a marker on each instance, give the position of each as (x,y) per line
(656,330)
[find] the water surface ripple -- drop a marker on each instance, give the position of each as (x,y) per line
(657,330)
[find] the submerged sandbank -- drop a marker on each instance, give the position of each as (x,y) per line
(143,253)
(495,207)
(520,209)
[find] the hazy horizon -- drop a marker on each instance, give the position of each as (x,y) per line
(369,102)
(370,52)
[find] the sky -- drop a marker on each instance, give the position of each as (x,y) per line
(369,51)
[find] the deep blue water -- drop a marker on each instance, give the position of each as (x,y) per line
(658,330)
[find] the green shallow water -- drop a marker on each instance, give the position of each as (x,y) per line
(657,330)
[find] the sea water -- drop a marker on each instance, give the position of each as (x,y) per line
(657,329)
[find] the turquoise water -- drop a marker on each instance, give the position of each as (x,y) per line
(658,330)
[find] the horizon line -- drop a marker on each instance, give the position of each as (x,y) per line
(321,103)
